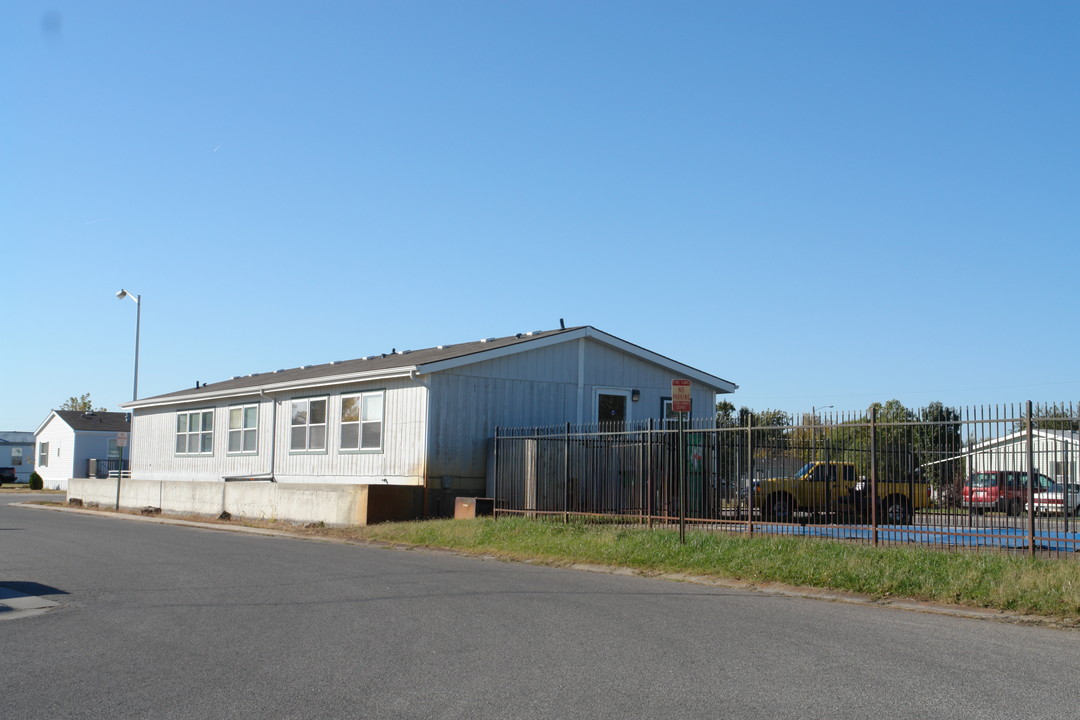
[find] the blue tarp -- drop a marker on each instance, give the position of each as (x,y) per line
(1003,537)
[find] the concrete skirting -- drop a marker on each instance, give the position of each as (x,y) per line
(332,504)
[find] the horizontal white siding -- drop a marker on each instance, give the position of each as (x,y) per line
(61,439)
(1055,458)
(399,462)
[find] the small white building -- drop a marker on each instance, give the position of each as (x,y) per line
(69,439)
(419,418)
(16,451)
(1054,453)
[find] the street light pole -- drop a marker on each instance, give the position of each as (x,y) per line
(135,386)
(138,320)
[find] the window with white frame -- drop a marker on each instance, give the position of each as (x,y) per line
(195,432)
(669,418)
(43,455)
(362,421)
(308,425)
(16,456)
(244,429)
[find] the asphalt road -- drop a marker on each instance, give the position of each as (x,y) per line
(158,621)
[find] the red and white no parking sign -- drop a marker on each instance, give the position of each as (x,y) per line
(680,396)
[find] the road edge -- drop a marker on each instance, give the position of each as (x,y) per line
(779,589)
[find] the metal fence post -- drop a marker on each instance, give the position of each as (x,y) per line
(566,475)
(873,476)
(649,473)
(750,474)
(494,485)
(680,446)
(1031,479)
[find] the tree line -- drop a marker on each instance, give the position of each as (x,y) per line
(908,444)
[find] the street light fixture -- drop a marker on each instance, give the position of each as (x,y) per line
(138,313)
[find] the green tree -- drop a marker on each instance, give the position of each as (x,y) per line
(1052,417)
(80,404)
(938,445)
(725,415)
(771,428)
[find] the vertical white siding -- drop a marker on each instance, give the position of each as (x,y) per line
(153,445)
(465,411)
(536,388)
(401,460)
(433,427)
(607,367)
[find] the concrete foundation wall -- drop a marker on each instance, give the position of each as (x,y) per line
(332,504)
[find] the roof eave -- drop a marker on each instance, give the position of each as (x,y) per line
(326,380)
(52,413)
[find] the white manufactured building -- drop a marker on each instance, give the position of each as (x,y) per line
(1055,453)
(17,452)
(68,440)
(419,418)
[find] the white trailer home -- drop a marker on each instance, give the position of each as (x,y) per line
(68,440)
(16,452)
(1055,453)
(407,418)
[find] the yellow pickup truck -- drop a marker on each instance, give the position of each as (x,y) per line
(836,488)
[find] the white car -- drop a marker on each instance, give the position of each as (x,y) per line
(1057,499)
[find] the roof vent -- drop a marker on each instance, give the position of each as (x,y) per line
(442,347)
(486,340)
(335,362)
(237,377)
(534,332)
(406,352)
(304,367)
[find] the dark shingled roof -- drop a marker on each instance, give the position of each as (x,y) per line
(96,421)
(374,363)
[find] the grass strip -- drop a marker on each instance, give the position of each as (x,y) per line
(1047,587)
(1036,586)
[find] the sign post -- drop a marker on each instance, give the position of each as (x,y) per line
(680,403)
(121,443)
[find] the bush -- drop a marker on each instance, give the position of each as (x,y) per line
(36,483)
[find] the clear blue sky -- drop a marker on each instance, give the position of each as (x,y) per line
(827,203)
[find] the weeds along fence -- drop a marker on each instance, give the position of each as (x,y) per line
(1002,476)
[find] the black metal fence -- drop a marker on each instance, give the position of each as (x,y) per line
(105,467)
(1002,476)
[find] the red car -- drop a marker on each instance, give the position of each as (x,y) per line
(1004,490)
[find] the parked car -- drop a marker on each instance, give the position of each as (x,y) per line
(835,487)
(1056,500)
(7,475)
(1002,490)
